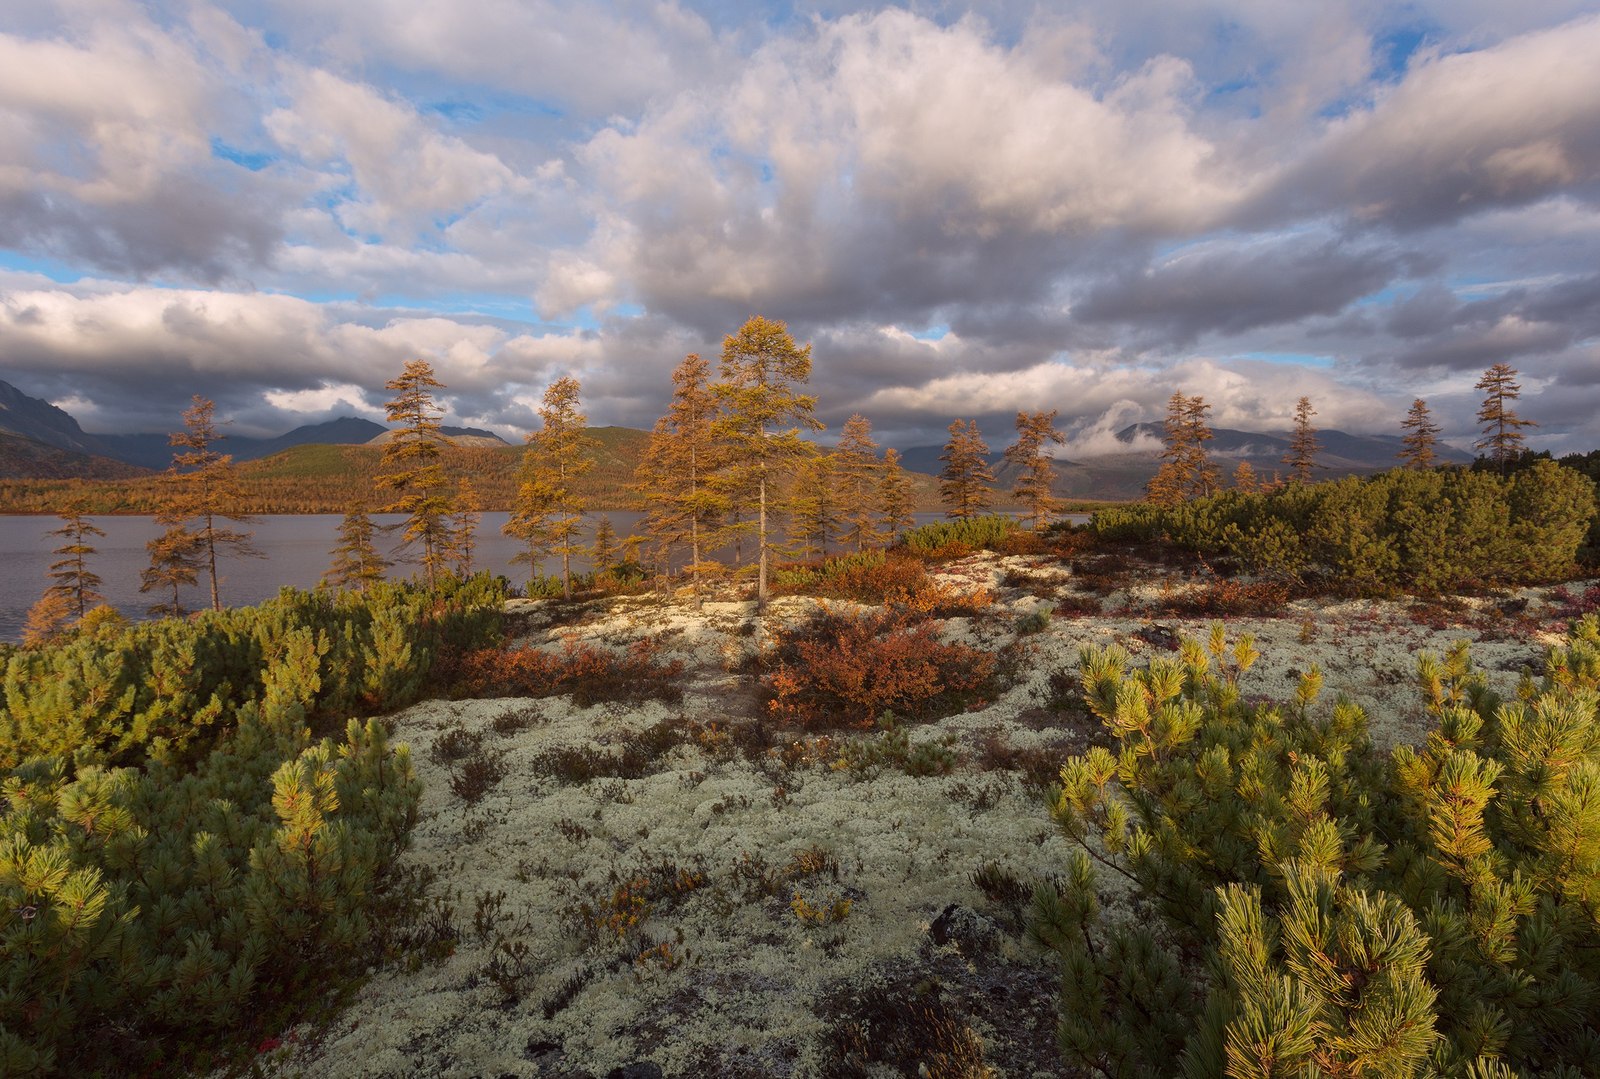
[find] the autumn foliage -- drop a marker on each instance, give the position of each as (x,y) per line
(840,670)
(592,675)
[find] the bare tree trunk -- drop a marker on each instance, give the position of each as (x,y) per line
(211,558)
(761,534)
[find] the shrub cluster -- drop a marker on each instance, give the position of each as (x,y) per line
(952,539)
(592,675)
(1315,907)
(168,903)
(168,690)
(1424,530)
(839,670)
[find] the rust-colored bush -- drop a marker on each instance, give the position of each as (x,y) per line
(592,675)
(1225,598)
(843,671)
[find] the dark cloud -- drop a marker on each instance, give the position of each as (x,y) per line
(1234,289)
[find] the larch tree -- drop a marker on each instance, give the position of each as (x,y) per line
(356,561)
(175,561)
(548,512)
(894,495)
(1186,470)
(1245,479)
(760,421)
(856,472)
(964,481)
(204,489)
(813,507)
(1422,434)
(416,453)
(1502,427)
(70,575)
(464,526)
(672,481)
(1036,474)
(1301,458)
(603,552)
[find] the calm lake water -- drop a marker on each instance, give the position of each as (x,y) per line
(296,547)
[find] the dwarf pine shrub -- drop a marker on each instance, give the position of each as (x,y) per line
(962,536)
(1414,529)
(1316,908)
(176,852)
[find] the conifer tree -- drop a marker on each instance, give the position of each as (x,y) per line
(1245,479)
(856,473)
(1422,435)
(204,487)
(894,494)
(1303,446)
(548,513)
(175,562)
(814,516)
(70,575)
(964,481)
(761,368)
(356,561)
(603,552)
(464,526)
(672,479)
(1186,471)
(416,453)
(1036,473)
(1502,427)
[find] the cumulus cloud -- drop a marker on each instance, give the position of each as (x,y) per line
(1503,125)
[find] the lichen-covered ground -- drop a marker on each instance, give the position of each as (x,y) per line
(737,903)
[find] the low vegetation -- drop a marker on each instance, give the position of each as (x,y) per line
(178,857)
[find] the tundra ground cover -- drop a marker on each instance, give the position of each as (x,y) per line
(693,887)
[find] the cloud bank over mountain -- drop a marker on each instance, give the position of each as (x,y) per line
(1082,207)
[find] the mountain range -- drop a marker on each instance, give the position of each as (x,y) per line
(39,440)
(99,456)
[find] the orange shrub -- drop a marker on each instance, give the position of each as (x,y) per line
(1236,598)
(592,675)
(837,670)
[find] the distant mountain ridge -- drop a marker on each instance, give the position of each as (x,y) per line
(40,421)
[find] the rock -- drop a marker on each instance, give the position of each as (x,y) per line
(971,932)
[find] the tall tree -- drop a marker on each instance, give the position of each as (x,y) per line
(1301,458)
(894,494)
(1036,472)
(548,513)
(1502,427)
(1422,434)
(205,488)
(356,561)
(1186,470)
(761,368)
(70,575)
(856,472)
(681,506)
(416,454)
(964,481)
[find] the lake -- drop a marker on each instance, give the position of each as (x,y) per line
(296,547)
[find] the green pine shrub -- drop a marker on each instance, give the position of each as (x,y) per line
(177,855)
(1412,529)
(952,539)
(1307,906)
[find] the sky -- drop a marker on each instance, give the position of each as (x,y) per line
(966,210)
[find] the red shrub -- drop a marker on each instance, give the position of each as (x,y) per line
(846,671)
(592,675)
(1236,598)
